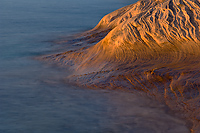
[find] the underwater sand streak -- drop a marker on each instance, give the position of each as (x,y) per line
(151,46)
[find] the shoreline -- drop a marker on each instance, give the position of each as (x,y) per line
(96,80)
(138,48)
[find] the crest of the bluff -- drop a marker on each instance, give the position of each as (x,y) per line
(150,21)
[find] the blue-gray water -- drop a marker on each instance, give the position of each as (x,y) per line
(33,98)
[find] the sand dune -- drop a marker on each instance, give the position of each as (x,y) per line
(152,46)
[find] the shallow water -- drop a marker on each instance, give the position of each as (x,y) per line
(34,97)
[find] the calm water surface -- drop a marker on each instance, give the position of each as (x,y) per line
(33,98)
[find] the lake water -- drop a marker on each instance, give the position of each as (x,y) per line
(33,96)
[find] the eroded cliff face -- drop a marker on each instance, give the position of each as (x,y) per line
(151,46)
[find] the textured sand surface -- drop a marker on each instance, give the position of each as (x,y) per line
(151,46)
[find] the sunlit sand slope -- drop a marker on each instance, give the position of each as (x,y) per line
(151,46)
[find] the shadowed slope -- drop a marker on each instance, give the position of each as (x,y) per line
(152,46)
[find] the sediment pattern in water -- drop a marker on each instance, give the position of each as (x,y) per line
(152,46)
